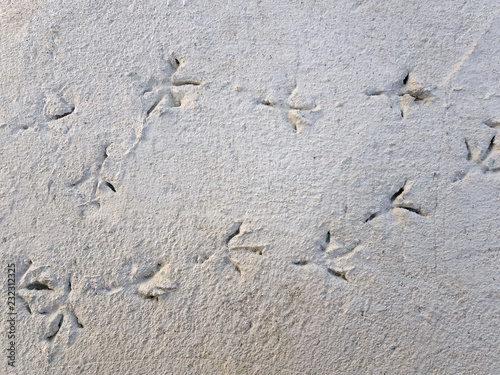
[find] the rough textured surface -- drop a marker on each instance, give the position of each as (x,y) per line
(252,187)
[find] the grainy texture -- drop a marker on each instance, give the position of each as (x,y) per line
(251,187)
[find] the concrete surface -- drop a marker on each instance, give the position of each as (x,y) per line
(250,187)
